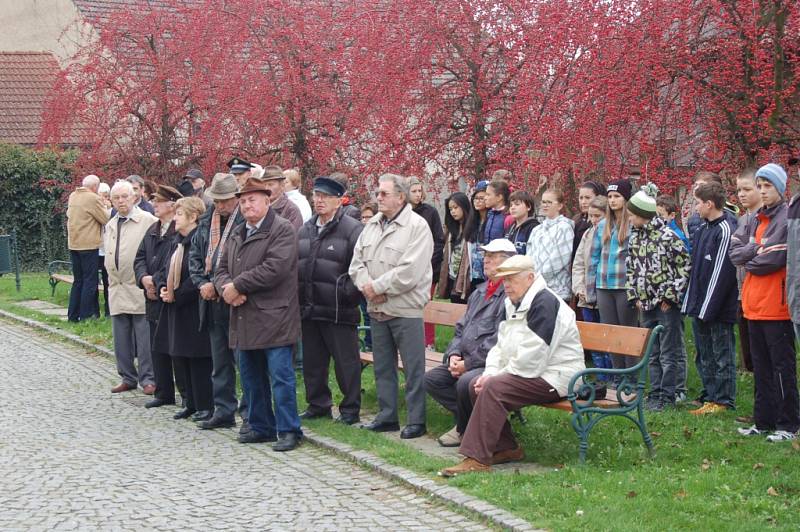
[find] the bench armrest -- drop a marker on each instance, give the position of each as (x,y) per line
(54,266)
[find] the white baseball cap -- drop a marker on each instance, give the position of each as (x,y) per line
(500,245)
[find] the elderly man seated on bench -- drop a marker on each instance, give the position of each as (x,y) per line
(538,351)
(475,334)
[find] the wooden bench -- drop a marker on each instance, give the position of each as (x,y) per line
(53,269)
(627,400)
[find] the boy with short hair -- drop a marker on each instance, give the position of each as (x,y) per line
(667,209)
(761,249)
(523,211)
(657,272)
(711,300)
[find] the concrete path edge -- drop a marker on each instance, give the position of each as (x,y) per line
(493,515)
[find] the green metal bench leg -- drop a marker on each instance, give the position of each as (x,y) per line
(645,434)
(53,284)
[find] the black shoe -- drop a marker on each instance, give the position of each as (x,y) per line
(183,413)
(218,422)
(255,437)
(202,415)
(287,442)
(245,428)
(348,419)
(377,426)
(308,414)
(155,403)
(412,431)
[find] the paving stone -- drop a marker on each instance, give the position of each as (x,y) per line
(76,457)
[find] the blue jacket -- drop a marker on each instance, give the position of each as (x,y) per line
(678,231)
(493,227)
(713,290)
(608,260)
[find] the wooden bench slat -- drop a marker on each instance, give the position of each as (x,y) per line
(442,313)
(616,339)
(69,279)
(567,406)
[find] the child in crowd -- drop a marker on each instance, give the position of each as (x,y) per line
(588,191)
(667,209)
(550,244)
(609,253)
(694,221)
(522,210)
(454,275)
(750,198)
(497,218)
(761,248)
(657,271)
(475,226)
(711,300)
(583,286)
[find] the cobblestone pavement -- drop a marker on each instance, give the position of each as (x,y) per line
(72,456)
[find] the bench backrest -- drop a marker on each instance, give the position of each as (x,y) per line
(615,339)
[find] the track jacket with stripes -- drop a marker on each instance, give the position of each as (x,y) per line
(713,291)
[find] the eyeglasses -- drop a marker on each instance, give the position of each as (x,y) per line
(383,193)
(547,202)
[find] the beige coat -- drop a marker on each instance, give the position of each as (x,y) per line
(86,216)
(123,294)
(397,259)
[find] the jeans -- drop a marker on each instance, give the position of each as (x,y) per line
(716,361)
(600,360)
(83,295)
(667,350)
(267,374)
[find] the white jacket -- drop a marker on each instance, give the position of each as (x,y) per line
(397,259)
(538,339)
(297,197)
(124,296)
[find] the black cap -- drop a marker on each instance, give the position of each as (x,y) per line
(239,165)
(194,173)
(329,186)
(185,188)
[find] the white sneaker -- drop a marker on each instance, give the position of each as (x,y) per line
(750,431)
(680,398)
(781,435)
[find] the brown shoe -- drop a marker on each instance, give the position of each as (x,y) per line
(510,455)
(123,387)
(149,389)
(468,465)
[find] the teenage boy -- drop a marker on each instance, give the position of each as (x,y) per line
(667,209)
(750,198)
(711,300)
(761,248)
(657,269)
(523,210)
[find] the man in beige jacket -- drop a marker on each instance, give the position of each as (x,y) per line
(129,325)
(392,267)
(86,216)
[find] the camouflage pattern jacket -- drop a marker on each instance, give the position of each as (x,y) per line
(657,266)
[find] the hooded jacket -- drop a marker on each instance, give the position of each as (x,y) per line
(519,234)
(712,294)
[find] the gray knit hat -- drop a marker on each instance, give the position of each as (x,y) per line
(643,202)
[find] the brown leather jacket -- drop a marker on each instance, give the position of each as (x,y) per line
(264,268)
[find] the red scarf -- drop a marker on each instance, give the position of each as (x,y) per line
(491,288)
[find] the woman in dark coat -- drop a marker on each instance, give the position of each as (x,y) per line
(179,331)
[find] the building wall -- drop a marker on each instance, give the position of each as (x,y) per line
(42,25)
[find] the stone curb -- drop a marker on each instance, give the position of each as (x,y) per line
(452,496)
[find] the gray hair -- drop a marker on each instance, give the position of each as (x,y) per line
(400,183)
(103,188)
(135,179)
(91,181)
(122,184)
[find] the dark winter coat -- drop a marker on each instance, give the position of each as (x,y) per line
(150,258)
(476,331)
(582,224)
(519,234)
(262,266)
(326,291)
(713,290)
(431,215)
(178,332)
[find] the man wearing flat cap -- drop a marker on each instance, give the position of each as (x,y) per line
(208,243)
(274,180)
(257,277)
(150,268)
(329,304)
(538,351)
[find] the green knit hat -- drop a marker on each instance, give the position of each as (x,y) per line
(643,202)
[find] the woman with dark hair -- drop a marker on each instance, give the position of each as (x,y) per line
(474,228)
(455,274)
(586,193)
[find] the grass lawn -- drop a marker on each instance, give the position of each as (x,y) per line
(704,475)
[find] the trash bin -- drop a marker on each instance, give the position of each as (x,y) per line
(5,254)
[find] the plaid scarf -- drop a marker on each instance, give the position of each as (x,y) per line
(215,240)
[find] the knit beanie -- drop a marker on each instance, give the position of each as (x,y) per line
(621,187)
(481,185)
(643,202)
(775,174)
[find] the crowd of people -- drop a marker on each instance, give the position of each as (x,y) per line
(244,276)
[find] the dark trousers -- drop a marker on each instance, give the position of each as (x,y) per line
(322,341)
(716,361)
(225,361)
(744,340)
(488,430)
(83,295)
(196,374)
(452,392)
(162,370)
(777,406)
(667,349)
(104,280)
(614,310)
